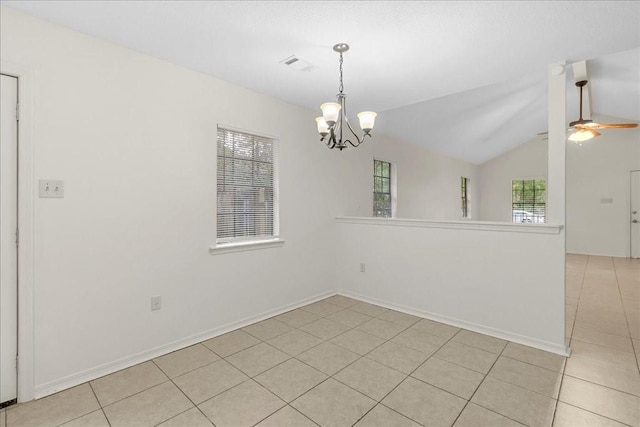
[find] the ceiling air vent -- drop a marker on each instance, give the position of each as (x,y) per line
(296,63)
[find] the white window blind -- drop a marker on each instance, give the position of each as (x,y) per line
(247,187)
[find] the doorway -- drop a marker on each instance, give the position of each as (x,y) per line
(8,239)
(635,214)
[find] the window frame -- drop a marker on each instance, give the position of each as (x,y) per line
(533,220)
(251,242)
(391,186)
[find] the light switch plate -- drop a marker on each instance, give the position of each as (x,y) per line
(51,188)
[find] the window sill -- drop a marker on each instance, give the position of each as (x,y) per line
(228,248)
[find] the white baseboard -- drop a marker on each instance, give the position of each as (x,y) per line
(126,362)
(597,254)
(560,349)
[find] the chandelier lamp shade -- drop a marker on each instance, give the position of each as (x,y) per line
(334,127)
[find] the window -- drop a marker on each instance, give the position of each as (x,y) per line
(247,187)
(382,200)
(528,200)
(464,190)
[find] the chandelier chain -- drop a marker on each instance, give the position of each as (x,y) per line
(341,88)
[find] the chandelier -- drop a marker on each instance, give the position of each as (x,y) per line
(334,117)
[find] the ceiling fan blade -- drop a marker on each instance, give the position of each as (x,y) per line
(614,126)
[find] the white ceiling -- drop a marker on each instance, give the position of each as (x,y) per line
(464,78)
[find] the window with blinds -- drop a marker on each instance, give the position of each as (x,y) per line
(528,200)
(464,190)
(247,187)
(382,201)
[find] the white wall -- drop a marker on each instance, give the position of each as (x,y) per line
(133,138)
(468,274)
(601,170)
(527,161)
(596,169)
(428,182)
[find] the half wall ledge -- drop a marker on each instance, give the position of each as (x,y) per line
(506,227)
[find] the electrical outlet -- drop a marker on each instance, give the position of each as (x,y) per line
(51,188)
(363,267)
(156,303)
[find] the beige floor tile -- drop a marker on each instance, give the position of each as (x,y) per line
(233,342)
(257,359)
(606,327)
(602,338)
(190,418)
(124,383)
(570,416)
(369,309)
(267,329)
(328,358)
(94,419)
(357,341)
(634,330)
(435,328)
(290,379)
(149,407)
(381,416)
(243,405)
(349,318)
(598,353)
(514,402)
(424,403)
(381,328)
(210,380)
(55,409)
(333,404)
(294,342)
(527,376)
(370,378)
(604,374)
(287,417)
(483,342)
(325,329)
(453,378)
(400,318)
(477,416)
(297,318)
(534,356)
(398,357)
(636,347)
(421,341)
(322,308)
(3,418)
(604,401)
(342,301)
(185,360)
(469,357)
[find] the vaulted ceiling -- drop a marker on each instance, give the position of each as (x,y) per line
(467,79)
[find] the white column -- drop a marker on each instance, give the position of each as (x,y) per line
(556,183)
(557,125)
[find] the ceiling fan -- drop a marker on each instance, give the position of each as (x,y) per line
(585,129)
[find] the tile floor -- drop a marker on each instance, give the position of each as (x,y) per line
(341,362)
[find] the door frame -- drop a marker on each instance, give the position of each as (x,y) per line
(630,199)
(26,194)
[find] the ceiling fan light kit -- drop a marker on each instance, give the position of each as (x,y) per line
(334,116)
